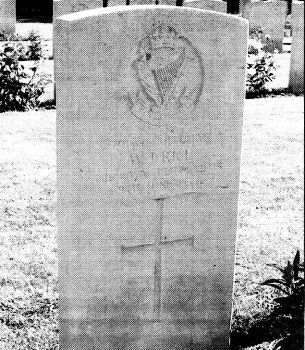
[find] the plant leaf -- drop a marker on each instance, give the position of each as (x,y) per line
(277,267)
(274,280)
(296,264)
(276,287)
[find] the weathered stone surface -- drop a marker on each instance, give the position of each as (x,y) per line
(242,4)
(8,16)
(296,78)
(149,127)
(116,3)
(63,7)
(212,5)
(167,2)
(142,2)
(269,17)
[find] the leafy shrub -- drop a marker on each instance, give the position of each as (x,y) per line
(252,50)
(254,46)
(11,36)
(288,22)
(19,90)
(35,48)
(255,33)
(291,284)
(291,305)
(260,70)
(283,327)
(265,40)
(260,66)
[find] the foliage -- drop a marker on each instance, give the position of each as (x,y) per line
(260,65)
(291,284)
(19,90)
(254,46)
(283,327)
(11,36)
(288,22)
(255,33)
(260,70)
(291,305)
(35,48)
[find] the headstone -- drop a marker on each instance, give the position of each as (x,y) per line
(8,16)
(116,3)
(167,2)
(63,7)
(149,127)
(296,78)
(242,4)
(212,5)
(268,17)
(142,2)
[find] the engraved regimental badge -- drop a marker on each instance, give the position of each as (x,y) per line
(168,78)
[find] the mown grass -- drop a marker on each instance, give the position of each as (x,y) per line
(28,265)
(270,209)
(270,221)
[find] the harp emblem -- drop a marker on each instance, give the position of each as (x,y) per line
(167,77)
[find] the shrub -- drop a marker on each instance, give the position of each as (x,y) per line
(19,90)
(11,36)
(291,284)
(255,33)
(254,47)
(260,70)
(35,48)
(291,305)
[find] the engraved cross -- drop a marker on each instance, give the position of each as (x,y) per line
(157,247)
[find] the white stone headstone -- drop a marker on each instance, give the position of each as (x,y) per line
(149,128)
(242,4)
(116,3)
(63,7)
(296,78)
(212,5)
(167,2)
(8,16)
(269,17)
(142,2)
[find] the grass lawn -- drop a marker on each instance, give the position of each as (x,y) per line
(28,265)
(270,218)
(45,30)
(271,202)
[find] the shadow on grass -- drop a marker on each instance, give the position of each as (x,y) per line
(267,93)
(48,104)
(288,329)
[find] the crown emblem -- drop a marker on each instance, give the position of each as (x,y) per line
(163,36)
